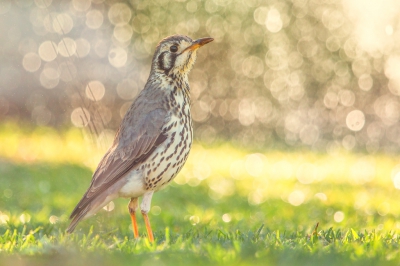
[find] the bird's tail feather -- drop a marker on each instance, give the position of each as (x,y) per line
(85,209)
(77,217)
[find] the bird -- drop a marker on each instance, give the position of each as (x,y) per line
(153,140)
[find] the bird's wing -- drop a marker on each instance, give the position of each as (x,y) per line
(139,135)
(134,149)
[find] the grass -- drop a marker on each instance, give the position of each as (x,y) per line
(228,206)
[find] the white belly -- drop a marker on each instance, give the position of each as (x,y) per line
(134,187)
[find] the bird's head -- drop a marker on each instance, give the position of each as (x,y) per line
(176,54)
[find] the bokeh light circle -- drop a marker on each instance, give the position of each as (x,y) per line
(31,62)
(123,33)
(253,67)
(49,77)
(117,57)
(80,117)
(296,198)
(63,24)
(273,21)
(355,120)
(67,47)
(81,5)
(95,90)
(94,19)
(119,14)
(48,51)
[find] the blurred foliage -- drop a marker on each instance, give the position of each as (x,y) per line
(228,206)
(318,73)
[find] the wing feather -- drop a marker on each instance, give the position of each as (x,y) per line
(139,135)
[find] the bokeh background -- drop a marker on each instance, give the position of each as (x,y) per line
(318,73)
(296,110)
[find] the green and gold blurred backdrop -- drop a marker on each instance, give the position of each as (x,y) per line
(323,74)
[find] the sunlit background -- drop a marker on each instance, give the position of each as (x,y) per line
(296,109)
(318,73)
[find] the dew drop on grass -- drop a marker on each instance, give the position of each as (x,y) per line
(25,218)
(338,216)
(110,206)
(226,218)
(194,219)
(4,218)
(53,219)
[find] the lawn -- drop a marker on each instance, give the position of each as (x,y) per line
(228,206)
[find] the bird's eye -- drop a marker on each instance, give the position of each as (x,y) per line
(173,48)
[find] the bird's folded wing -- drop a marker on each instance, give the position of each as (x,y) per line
(133,145)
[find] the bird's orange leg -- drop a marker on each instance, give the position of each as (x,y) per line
(145,207)
(148,227)
(132,207)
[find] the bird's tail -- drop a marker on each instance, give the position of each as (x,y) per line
(76,216)
(88,207)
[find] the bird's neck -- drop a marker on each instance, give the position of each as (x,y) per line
(174,83)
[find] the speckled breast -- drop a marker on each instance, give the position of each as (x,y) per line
(169,158)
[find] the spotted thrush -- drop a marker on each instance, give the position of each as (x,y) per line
(154,139)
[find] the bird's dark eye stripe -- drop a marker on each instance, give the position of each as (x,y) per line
(166,61)
(173,48)
(161,60)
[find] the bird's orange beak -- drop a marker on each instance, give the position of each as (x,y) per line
(198,43)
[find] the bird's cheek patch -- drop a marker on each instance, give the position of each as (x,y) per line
(166,61)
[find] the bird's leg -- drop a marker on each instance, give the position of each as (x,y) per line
(132,207)
(145,207)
